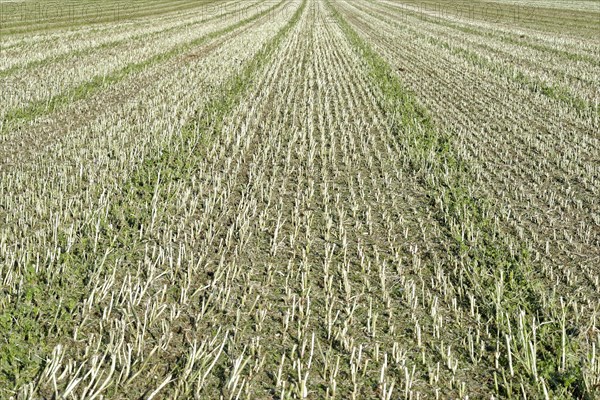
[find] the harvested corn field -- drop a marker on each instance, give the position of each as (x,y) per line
(299,199)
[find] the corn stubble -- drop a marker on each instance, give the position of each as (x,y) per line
(300,199)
